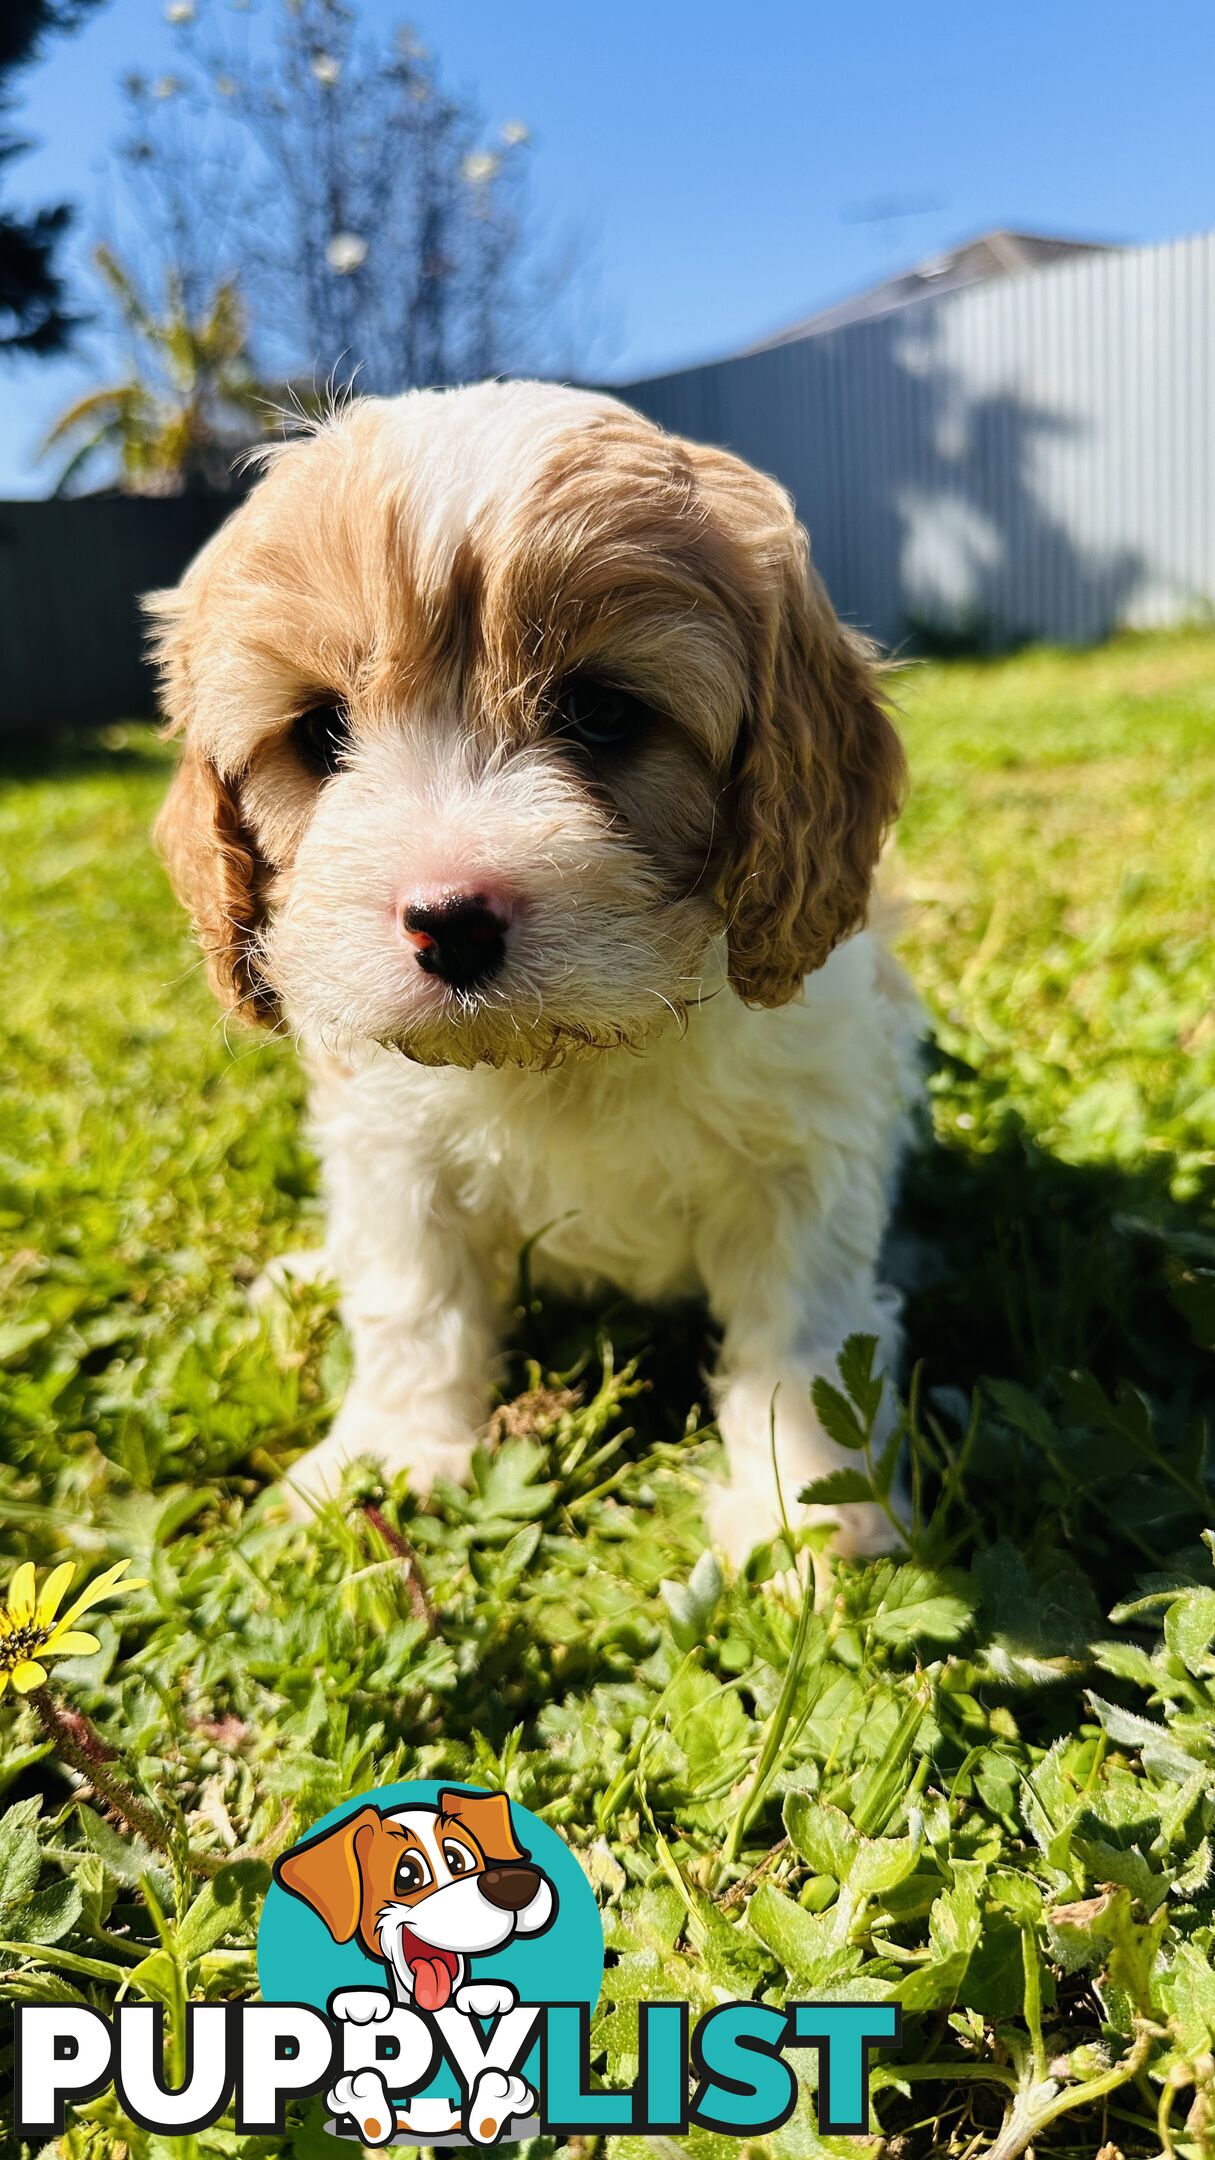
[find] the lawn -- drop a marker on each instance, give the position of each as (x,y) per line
(979,1779)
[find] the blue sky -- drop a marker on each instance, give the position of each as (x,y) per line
(720,155)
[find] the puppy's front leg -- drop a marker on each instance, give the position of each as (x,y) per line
(417,1301)
(788,1290)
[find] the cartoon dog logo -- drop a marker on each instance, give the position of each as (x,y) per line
(426,1889)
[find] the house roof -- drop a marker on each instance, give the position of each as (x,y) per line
(997,254)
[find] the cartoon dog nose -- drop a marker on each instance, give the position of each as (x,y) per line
(510,1888)
(461,937)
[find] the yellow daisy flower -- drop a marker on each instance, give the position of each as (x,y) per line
(29,1629)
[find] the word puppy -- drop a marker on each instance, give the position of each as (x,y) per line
(530,781)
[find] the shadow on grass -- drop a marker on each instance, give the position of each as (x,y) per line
(1075,1299)
(674,1347)
(1052,1289)
(1045,1292)
(1016,1264)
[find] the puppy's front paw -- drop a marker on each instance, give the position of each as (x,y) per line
(485,1998)
(740,1519)
(364,2097)
(390,1439)
(497,2098)
(863,1529)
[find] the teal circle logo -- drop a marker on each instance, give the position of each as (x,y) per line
(427,1921)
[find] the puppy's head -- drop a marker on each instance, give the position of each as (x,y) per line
(508,721)
(423,1887)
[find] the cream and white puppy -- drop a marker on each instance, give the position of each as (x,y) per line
(530,779)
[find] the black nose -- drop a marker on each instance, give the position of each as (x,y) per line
(510,1888)
(460,938)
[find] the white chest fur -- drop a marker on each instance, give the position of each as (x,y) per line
(614,1162)
(747,1158)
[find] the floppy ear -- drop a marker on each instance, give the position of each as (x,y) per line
(818,778)
(216,871)
(487,1816)
(325,1873)
(213,862)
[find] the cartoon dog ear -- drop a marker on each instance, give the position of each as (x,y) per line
(487,1817)
(325,1873)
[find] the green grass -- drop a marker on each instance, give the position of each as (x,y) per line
(981,1780)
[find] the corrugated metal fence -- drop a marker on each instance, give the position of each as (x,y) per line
(1033,457)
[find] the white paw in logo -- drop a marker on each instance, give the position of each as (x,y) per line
(485,1998)
(361,2006)
(364,2096)
(498,2098)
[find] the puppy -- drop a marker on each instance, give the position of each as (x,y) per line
(529,779)
(424,1890)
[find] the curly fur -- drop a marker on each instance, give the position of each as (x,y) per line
(819,780)
(216,872)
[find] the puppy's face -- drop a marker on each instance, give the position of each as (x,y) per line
(500,707)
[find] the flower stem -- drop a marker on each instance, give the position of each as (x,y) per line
(1034,2110)
(1033,2001)
(402,1550)
(77,1744)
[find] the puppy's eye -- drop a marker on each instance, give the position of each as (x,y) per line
(412,1874)
(459,1861)
(320,736)
(598,715)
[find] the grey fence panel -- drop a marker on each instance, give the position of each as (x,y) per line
(71,573)
(1034,457)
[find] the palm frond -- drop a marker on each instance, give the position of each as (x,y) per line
(193,379)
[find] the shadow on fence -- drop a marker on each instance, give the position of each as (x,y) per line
(957,530)
(1032,458)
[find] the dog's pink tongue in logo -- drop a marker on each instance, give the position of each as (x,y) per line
(433,1971)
